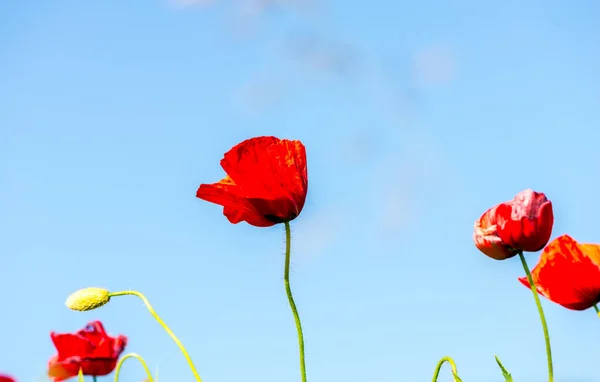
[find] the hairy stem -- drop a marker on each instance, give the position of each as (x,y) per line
(542,317)
(139,358)
(288,291)
(439,365)
(164,326)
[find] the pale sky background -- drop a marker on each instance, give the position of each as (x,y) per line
(416,116)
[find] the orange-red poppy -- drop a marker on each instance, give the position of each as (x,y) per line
(90,349)
(266,182)
(522,224)
(568,273)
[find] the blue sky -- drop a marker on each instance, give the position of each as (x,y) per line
(416,116)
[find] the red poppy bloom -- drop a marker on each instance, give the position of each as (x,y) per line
(568,273)
(6,378)
(266,182)
(522,224)
(90,349)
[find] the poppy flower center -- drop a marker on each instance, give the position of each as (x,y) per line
(277,219)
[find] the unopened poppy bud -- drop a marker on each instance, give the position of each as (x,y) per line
(88,299)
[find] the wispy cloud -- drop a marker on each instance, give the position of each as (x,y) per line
(191,3)
(435,65)
(362,146)
(318,53)
(315,233)
(405,183)
(247,14)
(258,95)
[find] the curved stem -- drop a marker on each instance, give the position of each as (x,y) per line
(164,326)
(597,310)
(139,358)
(441,362)
(542,317)
(288,291)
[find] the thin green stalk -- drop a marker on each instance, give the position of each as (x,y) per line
(542,317)
(439,365)
(139,358)
(597,310)
(288,291)
(94,378)
(164,326)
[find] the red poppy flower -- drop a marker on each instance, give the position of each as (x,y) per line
(90,349)
(266,182)
(568,273)
(522,224)
(6,378)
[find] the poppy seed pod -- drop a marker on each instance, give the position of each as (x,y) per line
(522,224)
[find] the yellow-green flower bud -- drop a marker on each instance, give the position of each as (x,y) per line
(88,299)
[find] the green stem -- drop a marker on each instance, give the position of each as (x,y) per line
(164,326)
(441,362)
(288,291)
(94,378)
(542,317)
(131,355)
(597,310)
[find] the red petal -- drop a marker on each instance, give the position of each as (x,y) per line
(272,170)
(69,345)
(236,207)
(525,223)
(6,378)
(568,273)
(98,366)
(485,236)
(59,371)
(93,329)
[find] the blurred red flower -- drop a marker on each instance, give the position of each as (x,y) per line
(522,224)
(266,182)
(6,378)
(90,349)
(568,273)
